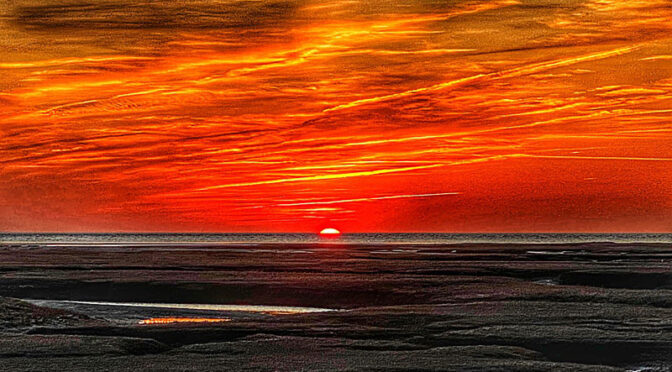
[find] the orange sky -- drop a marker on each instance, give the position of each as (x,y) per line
(272,116)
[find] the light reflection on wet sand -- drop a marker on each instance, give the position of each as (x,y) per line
(264,309)
(152,321)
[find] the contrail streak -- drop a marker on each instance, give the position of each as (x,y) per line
(519,71)
(356,174)
(322,177)
(595,157)
(368,199)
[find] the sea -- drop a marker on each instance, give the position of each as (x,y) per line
(358,238)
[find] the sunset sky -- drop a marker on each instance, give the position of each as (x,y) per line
(386,115)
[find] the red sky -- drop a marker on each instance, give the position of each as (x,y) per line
(389,116)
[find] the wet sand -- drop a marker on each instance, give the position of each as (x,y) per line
(404,307)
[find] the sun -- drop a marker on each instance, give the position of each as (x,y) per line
(330,232)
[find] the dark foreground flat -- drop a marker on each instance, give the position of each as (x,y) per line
(581,307)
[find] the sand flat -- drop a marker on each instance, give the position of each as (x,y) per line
(579,306)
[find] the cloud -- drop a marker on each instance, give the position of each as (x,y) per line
(175,112)
(148,15)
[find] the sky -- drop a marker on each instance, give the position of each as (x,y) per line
(367,116)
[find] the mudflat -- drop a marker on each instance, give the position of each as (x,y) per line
(325,307)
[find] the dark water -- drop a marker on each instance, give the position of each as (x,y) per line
(368,238)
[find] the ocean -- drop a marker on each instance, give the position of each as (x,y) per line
(359,238)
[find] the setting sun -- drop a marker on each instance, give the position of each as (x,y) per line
(330,232)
